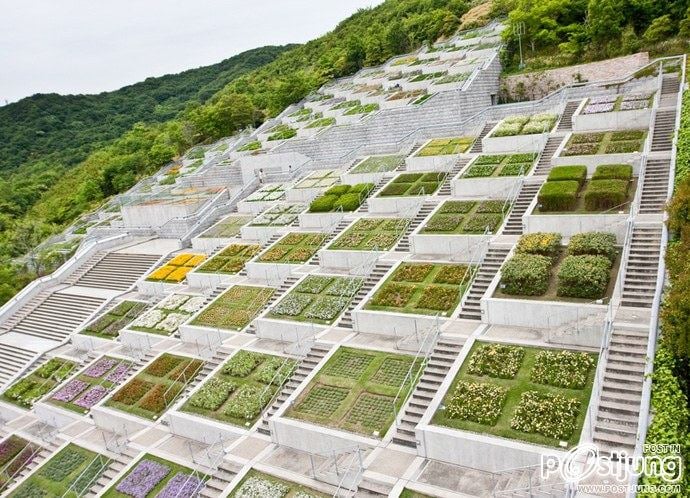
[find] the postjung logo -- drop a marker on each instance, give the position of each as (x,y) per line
(584,463)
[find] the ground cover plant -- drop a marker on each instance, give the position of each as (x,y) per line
(281,132)
(446,146)
(243,387)
(606,142)
(257,484)
(155,388)
(317,299)
(535,395)
(235,308)
(611,103)
(525,125)
(452,78)
(371,234)
(346,104)
(250,146)
(344,198)
(378,164)
(466,217)
(267,193)
(423,289)
(541,267)
(175,270)
(108,325)
(168,315)
(321,123)
(278,216)
(320,179)
(413,184)
(33,386)
(15,454)
(356,390)
(153,476)
(71,472)
(293,248)
(361,109)
(500,165)
(231,259)
(91,385)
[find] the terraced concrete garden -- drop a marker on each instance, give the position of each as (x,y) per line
(267,194)
(607,142)
(358,391)
(317,299)
(168,315)
(525,125)
(378,164)
(245,385)
(230,260)
(567,190)
(423,289)
(108,325)
(155,388)
(446,146)
(371,234)
(281,132)
(611,103)
(254,145)
(15,454)
(278,216)
(542,269)
(293,248)
(500,165)
(320,179)
(71,473)
(467,217)
(33,386)
(153,476)
(361,109)
(346,105)
(175,270)
(257,484)
(535,395)
(345,198)
(413,184)
(91,385)
(321,123)
(227,228)
(235,308)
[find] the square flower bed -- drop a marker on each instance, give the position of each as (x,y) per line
(108,325)
(413,184)
(378,164)
(38,383)
(318,299)
(355,391)
(525,125)
(341,198)
(371,234)
(231,259)
(293,248)
(267,194)
(281,132)
(446,146)
(91,385)
(256,484)
(606,142)
(320,179)
(15,454)
(278,216)
(245,385)
(361,109)
(535,395)
(169,314)
(500,165)
(175,270)
(586,270)
(423,289)
(321,123)
(346,104)
(235,308)
(466,217)
(612,103)
(227,228)
(71,472)
(250,146)
(153,476)
(155,388)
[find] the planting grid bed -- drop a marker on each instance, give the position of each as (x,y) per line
(268,193)
(467,217)
(15,454)
(38,383)
(278,216)
(176,269)
(168,315)
(607,142)
(320,179)
(611,103)
(371,234)
(259,484)
(500,165)
(227,228)
(378,164)
(108,325)
(446,146)
(235,308)
(413,184)
(230,260)
(295,247)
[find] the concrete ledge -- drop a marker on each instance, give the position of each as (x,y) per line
(350,260)
(303,195)
(392,324)
(118,422)
(202,429)
(455,247)
(262,233)
(270,273)
(320,221)
(56,416)
(515,144)
(253,207)
(286,330)
(396,205)
(9,412)
(140,340)
(615,120)
(571,224)
(149,288)
(312,438)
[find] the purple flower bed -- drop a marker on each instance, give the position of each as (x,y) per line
(634,104)
(145,476)
(70,391)
(604,99)
(99,368)
(91,397)
(119,374)
(597,108)
(181,485)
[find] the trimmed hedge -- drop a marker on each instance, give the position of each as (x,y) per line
(349,197)
(613,172)
(605,194)
(540,243)
(323,204)
(526,275)
(565,173)
(594,244)
(558,196)
(584,277)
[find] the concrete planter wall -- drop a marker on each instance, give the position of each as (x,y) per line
(355,178)
(410,86)
(303,195)
(344,119)
(393,104)
(202,429)
(9,412)
(617,120)
(205,337)
(142,341)
(90,342)
(430,163)
(457,247)
(156,215)
(515,144)
(396,205)
(253,207)
(495,187)
(571,224)
(286,330)
(462,67)
(149,288)
(118,422)
(355,261)
(270,273)
(262,233)
(210,244)
(209,281)
(320,221)
(392,324)
(55,416)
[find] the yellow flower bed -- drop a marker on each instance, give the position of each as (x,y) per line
(177,268)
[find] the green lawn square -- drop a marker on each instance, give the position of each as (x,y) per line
(377,164)
(235,308)
(500,165)
(446,146)
(476,218)
(371,234)
(293,248)
(413,184)
(108,325)
(230,260)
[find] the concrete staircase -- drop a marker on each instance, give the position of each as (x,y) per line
(118,462)
(435,371)
(527,482)
(377,273)
(544,165)
(670,86)
(477,146)
(566,122)
(639,282)
(655,186)
(664,124)
(306,366)
(13,360)
(492,262)
(47,451)
(446,189)
(527,193)
(115,271)
(220,479)
(315,259)
(364,207)
(404,244)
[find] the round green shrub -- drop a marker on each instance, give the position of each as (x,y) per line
(348,202)
(322,204)
(526,275)
(585,277)
(593,243)
(558,196)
